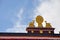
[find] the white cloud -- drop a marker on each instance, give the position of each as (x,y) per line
(50,10)
(18,27)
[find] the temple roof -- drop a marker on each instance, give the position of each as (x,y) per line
(46,31)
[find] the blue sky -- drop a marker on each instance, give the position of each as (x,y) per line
(16,14)
(9,10)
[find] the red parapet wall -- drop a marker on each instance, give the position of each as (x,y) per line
(27,38)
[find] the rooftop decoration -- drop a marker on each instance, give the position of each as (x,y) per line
(40,29)
(39,20)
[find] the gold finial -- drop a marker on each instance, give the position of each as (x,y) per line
(32,31)
(41,31)
(39,20)
(49,31)
(31,24)
(48,25)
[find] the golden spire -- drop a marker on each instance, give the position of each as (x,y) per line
(48,25)
(39,20)
(31,24)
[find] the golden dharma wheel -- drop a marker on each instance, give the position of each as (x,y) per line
(39,19)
